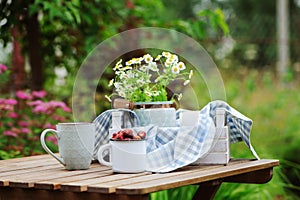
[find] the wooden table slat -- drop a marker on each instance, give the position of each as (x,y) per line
(44,173)
(195,177)
(30,179)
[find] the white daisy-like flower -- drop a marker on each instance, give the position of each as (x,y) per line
(125,68)
(179,96)
(117,85)
(153,66)
(175,69)
(137,60)
(168,63)
(111,83)
(147,58)
(191,74)
(166,54)
(181,66)
(157,57)
(129,62)
(186,82)
(119,62)
(107,97)
(173,58)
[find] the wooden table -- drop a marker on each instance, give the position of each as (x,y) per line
(42,177)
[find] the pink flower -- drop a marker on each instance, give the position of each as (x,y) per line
(7,104)
(8,101)
(12,115)
(42,108)
(23,95)
(22,123)
(48,125)
(39,94)
(61,105)
(52,139)
(35,103)
(58,118)
(10,133)
(25,130)
(3,68)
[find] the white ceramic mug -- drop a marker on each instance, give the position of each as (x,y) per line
(125,156)
(75,144)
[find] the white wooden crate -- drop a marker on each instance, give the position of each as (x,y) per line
(218,154)
(220,151)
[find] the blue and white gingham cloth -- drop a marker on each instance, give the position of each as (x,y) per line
(169,148)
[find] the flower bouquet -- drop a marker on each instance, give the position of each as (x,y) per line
(145,81)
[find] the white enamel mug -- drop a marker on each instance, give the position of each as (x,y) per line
(125,156)
(75,144)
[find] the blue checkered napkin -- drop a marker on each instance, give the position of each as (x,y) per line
(169,148)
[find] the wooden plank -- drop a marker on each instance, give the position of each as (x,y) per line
(17,164)
(21,171)
(195,177)
(58,182)
(26,158)
(110,187)
(31,178)
(54,183)
(80,186)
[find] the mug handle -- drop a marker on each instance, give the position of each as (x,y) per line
(100,154)
(42,139)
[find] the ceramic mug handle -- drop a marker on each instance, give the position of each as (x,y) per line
(100,154)
(42,139)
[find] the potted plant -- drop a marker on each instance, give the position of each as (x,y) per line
(144,81)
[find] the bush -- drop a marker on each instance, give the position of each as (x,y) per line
(23,118)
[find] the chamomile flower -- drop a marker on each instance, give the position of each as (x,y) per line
(118,65)
(126,68)
(111,83)
(181,66)
(157,57)
(108,98)
(147,58)
(153,67)
(191,74)
(168,63)
(175,69)
(129,62)
(186,82)
(166,54)
(179,97)
(143,79)
(173,58)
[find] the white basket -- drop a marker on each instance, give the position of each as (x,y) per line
(220,152)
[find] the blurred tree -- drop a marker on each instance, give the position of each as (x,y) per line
(253,27)
(59,34)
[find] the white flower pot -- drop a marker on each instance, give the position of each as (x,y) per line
(163,117)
